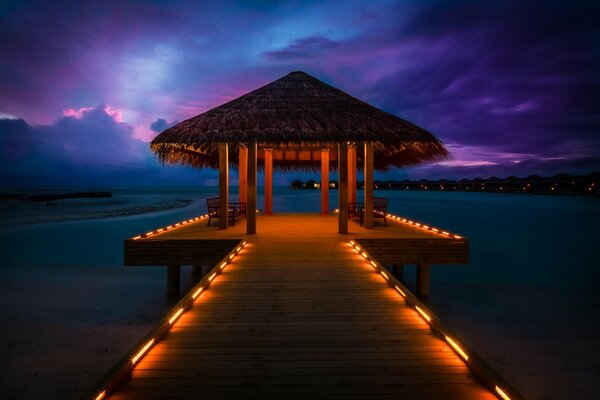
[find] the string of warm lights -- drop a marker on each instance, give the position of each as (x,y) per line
(174,226)
(420,225)
(424,227)
(170,227)
(128,363)
(470,358)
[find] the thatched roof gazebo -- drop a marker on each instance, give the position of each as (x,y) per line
(297,122)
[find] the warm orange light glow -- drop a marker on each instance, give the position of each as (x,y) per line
(502,394)
(435,230)
(457,348)
(169,227)
(177,224)
(136,238)
(175,316)
(239,248)
(423,314)
(142,351)
(365,255)
(210,278)
(425,227)
(384,275)
(445,233)
(352,242)
(197,293)
(101,395)
(417,224)
(400,291)
(159,230)
(149,233)
(457,237)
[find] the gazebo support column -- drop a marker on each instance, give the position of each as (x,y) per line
(173,276)
(251,196)
(368,186)
(268,181)
(325,181)
(352,174)
(223,185)
(343,187)
(422,280)
(243,174)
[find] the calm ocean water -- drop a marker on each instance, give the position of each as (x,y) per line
(527,302)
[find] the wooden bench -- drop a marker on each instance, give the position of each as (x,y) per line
(380,206)
(235,209)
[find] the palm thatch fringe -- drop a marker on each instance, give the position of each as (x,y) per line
(297,113)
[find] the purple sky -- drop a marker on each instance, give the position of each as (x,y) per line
(512,89)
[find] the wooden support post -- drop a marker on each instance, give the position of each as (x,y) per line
(398,271)
(196,273)
(343,187)
(173,274)
(268,181)
(251,196)
(422,280)
(325,181)
(243,174)
(368,186)
(352,174)
(223,185)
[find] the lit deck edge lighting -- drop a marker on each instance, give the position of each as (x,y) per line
(197,293)
(425,227)
(175,316)
(457,348)
(170,227)
(400,291)
(423,314)
(491,379)
(502,394)
(143,351)
(112,380)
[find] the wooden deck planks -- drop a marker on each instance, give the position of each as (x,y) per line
(299,315)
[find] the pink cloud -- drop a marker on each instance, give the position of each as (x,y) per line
(78,113)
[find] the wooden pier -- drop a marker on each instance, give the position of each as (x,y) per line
(300,312)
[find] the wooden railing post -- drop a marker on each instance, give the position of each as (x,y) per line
(352,173)
(398,271)
(223,185)
(368,190)
(422,280)
(242,173)
(173,277)
(268,181)
(343,187)
(251,197)
(325,181)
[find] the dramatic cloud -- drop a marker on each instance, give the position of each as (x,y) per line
(161,124)
(508,86)
(91,148)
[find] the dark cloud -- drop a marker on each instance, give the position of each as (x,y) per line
(161,124)
(303,48)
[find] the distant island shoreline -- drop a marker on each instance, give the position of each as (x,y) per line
(560,184)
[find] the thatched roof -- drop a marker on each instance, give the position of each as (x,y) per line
(297,115)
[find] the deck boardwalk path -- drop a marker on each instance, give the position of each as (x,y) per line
(298,314)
